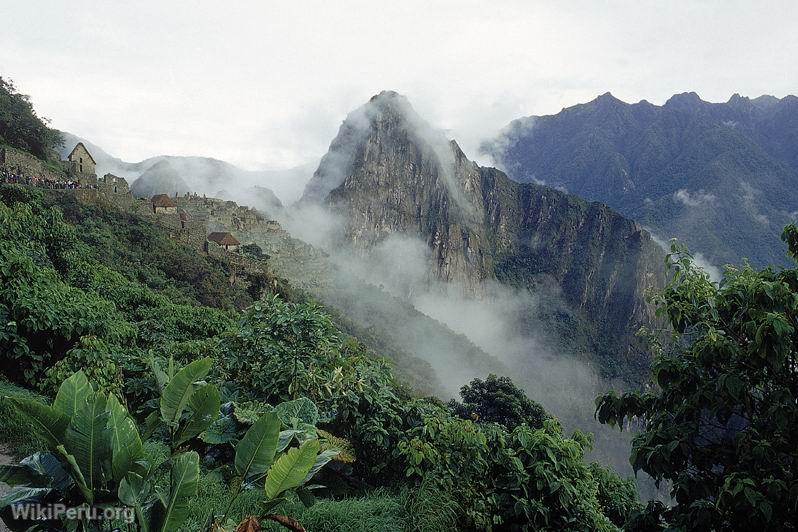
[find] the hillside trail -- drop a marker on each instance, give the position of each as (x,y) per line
(5,459)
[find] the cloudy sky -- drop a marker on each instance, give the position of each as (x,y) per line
(265,84)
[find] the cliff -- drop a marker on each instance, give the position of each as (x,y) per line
(388,172)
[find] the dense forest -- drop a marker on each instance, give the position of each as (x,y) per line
(135,375)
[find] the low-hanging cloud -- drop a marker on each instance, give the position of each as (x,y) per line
(699,259)
(695,199)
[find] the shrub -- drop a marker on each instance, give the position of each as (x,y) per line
(498,400)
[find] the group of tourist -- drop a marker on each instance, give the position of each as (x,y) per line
(7,176)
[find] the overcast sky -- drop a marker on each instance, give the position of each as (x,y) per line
(266,84)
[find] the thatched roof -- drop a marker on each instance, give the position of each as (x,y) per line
(223,238)
(162,200)
(184,216)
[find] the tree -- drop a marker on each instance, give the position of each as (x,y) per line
(720,419)
(19,125)
(498,400)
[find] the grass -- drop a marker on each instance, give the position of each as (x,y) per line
(419,510)
(378,510)
(15,431)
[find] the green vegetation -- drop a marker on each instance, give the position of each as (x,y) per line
(201,405)
(16,431)
(720,420)
(96,455)
(173,381)
(498,400)
(21,128)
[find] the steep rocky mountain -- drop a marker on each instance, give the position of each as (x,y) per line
(389,173)
(719,176)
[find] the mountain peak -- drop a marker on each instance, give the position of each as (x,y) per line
(390,102)
(386,120)
(684,101)
(606,100)
(386,95)
(766,100)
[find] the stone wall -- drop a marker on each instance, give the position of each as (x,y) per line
(22,163)
(86,195)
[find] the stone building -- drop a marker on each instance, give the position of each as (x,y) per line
(163,204)
(82,164)
(111,184)
(224,239)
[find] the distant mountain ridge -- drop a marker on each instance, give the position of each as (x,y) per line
(722,177)
(167,174)
(389,173)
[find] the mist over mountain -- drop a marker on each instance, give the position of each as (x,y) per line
(719,176)
(165,174)
(404,195)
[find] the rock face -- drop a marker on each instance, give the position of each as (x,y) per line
(718,176)
(387,172)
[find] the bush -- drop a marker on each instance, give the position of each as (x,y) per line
(617,497)
(498,400)
(97,361)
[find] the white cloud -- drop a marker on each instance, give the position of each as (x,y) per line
(266,84)
(693,199)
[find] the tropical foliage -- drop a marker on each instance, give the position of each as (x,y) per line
(243,397)
(720,420)
(498,400)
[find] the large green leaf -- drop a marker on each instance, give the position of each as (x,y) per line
(302,433)
(321,460)
(20,475)
(204,408)
(250,411)
(126,445)
(185,476)
(161,377)
(77,474)
(22,493)
(89,440)
(255,451)
(151,423)
(134,491)
(39,470)
(222,430)
(48,465)
(72,394)
(47,422)
(301,410)
(177,394)
(290,470)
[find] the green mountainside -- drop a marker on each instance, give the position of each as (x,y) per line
(92,289)
(719,176)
